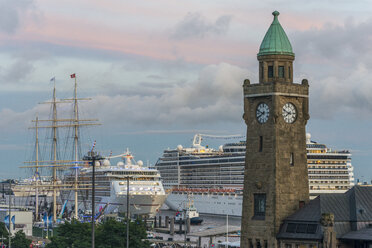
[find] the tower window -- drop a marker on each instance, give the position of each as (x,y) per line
(258,243)
(291,159)
(281,72)
(261,70)
(270,71)
(289,72)
(259,205)
(250,243)
(260,145)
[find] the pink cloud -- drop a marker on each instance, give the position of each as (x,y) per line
(76,32)
(138,29)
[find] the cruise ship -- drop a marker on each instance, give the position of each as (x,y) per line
(214,177)
(146,191)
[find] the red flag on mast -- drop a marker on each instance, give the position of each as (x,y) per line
(73,75)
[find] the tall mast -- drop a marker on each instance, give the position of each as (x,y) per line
(76,139)
(54,128)
(37,169)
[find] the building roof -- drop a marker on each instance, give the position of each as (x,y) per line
(362,234)
(275,40)
(353,206)
(361,197)
(218,231)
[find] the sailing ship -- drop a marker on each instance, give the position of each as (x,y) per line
(55,165)
(69,183)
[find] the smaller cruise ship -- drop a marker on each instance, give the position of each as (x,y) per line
(146,190)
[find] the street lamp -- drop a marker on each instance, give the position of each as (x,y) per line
(93,156)
(128,205)
(10,215)
(128,212)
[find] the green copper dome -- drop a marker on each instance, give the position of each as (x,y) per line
(275,40)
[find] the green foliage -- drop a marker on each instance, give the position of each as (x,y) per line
(137,232)
(109,234)
(3,230)
(20,241)
(74,234)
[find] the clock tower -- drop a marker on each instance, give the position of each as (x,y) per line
(276,113)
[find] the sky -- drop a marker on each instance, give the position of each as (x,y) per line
(160,71)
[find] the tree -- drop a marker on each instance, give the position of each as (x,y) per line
(109,234)
(20,241)
(113,233)
(4,232)
(74,234)
(137,232)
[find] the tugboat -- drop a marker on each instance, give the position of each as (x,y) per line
(188,212)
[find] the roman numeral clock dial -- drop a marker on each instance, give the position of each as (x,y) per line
(262,113)
(289,113)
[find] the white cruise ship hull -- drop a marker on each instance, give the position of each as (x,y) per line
(218,204)
(140,205)
(206,203)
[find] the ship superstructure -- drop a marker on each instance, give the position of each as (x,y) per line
(215,177)
(329,170)
(146,192)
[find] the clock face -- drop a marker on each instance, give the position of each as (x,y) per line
(289,112)
(262,112)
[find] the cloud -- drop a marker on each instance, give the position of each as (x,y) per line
(348,42)
(194,25)
(11,120)
(336,59)
(11,12)
(17,71)
(187,131)
(12,147)
(216,96)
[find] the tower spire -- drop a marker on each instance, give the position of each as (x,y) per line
(275,55)
(276,40)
